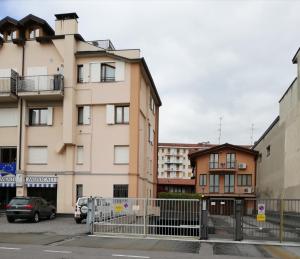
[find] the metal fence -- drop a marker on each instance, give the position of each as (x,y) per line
(214,218)
(146,217)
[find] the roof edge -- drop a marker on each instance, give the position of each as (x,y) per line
(287,90)
(266,132)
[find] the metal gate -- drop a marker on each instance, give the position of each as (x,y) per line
(145,217)
(214,218)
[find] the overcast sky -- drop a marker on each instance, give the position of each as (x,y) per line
(209,59)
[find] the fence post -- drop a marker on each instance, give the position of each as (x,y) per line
(281,235)
(145,216)
(204,220)
(91,214)
(238,220)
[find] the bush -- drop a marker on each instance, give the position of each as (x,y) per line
(178,195)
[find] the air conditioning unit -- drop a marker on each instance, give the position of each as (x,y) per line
(248,190)
(242,165)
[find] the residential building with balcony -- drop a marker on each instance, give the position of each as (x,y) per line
(77,118)
(175,173)
(225,171)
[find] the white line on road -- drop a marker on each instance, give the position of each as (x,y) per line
(130,256)
(9,248)
(54,251)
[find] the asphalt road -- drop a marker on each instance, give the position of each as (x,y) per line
(11,251)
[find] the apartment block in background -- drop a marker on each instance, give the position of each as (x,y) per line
(175,173)
(77,118)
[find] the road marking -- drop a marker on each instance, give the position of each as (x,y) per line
(130,256)
(10,248)
(54,251)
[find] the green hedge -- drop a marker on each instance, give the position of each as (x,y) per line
(178,195)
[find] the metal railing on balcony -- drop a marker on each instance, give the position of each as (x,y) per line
(217,165)
(41,83)
(7,85)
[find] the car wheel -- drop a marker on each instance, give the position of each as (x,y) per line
(10,219)
(36,217)
(52,215)
(78,221)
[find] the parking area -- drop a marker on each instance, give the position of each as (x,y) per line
(57,226)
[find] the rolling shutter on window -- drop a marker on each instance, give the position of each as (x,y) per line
(110,114)
(120,71)
(50,116)
(95,72)
(86,115)
(8,117)
(86,73)
(37,155)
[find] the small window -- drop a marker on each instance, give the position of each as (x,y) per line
(121,154)
(150,134)
(108,72)
(202,180)
(80,115)
(80,156)
(38,117)
(80,74)
(37,155)
(34,33)
(152,104)
(122,114)
(268,150)
(120,190)
(79,191)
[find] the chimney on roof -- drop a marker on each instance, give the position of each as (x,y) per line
(66,23)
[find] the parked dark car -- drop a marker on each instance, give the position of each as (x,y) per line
(31,208)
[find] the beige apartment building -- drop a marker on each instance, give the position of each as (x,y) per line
(175,173)
(278,164)
(77,118)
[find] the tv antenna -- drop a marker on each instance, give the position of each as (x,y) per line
(220,129)
(252,133)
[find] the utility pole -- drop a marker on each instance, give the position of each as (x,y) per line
(220,129)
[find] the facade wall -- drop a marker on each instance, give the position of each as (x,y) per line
(278,172)
(98,172)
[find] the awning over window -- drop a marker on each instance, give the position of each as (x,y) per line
(7,184)
(41,185)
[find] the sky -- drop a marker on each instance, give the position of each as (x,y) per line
(209,59)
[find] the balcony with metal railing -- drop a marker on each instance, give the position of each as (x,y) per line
(8,87)
(43,87)
(229,166)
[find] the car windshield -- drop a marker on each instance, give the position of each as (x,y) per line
(82,201)
(19,202)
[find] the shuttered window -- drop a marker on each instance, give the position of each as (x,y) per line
(121,154)
(80,155)
(37,155)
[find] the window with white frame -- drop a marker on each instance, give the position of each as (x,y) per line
(37,155)
(84,113)
(121,154)
(80,155)
(121,114)
(38,116)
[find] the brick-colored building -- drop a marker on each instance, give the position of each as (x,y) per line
(225,171)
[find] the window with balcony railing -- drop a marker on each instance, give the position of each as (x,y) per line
(40,83)
(229,183)
(214,183)
(214,161)
(230,161)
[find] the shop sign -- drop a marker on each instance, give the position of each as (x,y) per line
(41,179)
(8,179)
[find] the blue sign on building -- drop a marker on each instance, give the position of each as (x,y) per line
(7,168)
